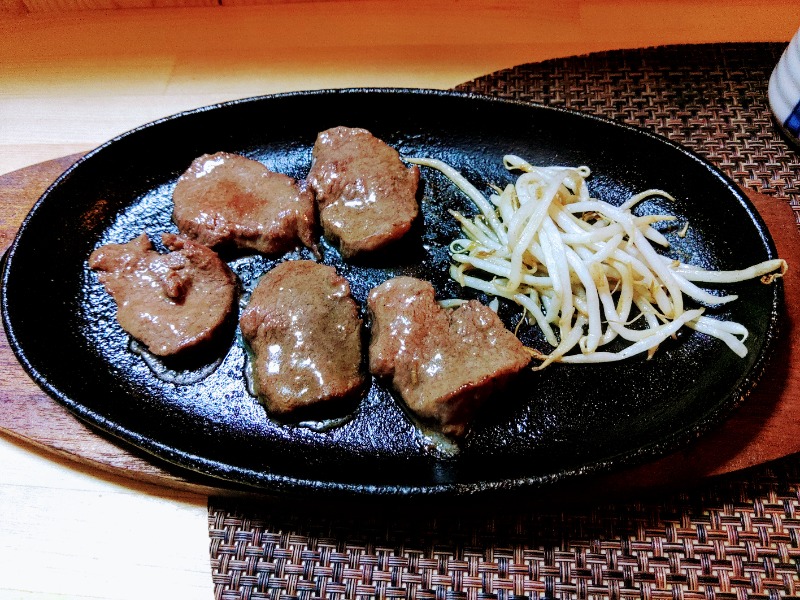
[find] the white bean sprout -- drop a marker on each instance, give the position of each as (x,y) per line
(583,269)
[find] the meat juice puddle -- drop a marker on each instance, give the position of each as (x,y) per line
(431,440)
(169,375)
(320,426)
(196,375)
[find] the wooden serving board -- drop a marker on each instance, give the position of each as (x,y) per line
(29,414)
(764,428)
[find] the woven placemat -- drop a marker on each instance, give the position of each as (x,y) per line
(711,98)
(733,538)
(738,538)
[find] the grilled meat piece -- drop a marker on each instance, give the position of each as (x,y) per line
(304,331)
(228,200)
(169,302)
(444,363)
(365,194)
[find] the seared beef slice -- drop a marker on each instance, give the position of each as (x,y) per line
(169,302)
(444,363)
(365,194)
(228,200)
(304,332)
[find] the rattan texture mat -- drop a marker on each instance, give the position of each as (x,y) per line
(711,98)
(731,538)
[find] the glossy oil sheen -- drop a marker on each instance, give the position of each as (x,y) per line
(550,426)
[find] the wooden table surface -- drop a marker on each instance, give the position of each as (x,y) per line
(71,80)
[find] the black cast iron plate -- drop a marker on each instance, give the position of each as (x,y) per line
(550,426)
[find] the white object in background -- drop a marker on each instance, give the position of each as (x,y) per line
(784,89)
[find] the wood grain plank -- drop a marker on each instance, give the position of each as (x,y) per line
(29,414)
(13,7)
(79,78)
(49,6)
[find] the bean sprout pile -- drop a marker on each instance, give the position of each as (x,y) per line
(583,269)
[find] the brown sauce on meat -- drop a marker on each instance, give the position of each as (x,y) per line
(443,362)
(301,327)
(169,302)
(365,194)
(228,200)
(304,332)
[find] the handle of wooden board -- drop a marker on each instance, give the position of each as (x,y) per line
(29,414)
